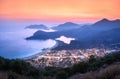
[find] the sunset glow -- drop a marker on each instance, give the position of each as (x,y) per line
(60,10)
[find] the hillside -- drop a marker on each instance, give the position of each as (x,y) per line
(19,69)
(110,72)
(102,33)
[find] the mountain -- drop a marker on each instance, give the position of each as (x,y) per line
(105,21)
(101,33)
(66,26)
(41,26)
(106,39)
(105,24)
(41,35)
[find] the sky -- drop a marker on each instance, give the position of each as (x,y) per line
(60,10)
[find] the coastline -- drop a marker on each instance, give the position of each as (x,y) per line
(42,51)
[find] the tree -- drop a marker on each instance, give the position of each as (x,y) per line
(61,75)
(92,59)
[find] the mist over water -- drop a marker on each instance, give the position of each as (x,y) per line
(14,45)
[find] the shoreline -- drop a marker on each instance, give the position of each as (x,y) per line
(42,51)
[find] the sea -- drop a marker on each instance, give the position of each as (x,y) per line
(13,43)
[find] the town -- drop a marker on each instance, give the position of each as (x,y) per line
(65,58)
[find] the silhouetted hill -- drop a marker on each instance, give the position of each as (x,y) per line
(19,69)
(74,33)
(107,24)
(101,33)
(41,26)
(106,39)
(66,26)
(110,72)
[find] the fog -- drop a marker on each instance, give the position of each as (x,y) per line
(13,43)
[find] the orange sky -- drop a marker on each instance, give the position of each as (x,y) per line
(60,10)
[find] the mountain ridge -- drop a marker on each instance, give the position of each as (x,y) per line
(93,35)
(66,26)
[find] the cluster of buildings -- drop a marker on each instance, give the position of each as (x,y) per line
(64,58)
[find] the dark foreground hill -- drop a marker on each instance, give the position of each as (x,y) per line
(19,69)
(110,72)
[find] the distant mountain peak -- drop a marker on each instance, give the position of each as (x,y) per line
(104,20)
(101,22)
(66,26)
(107,20)
(69,23)
(107,23)
(36,26)
(117,20)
